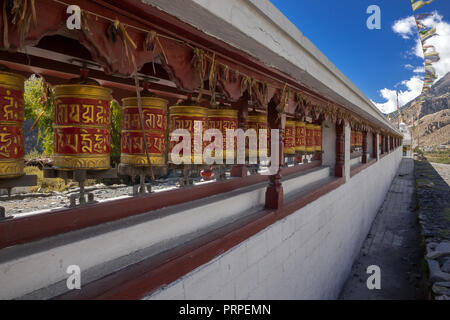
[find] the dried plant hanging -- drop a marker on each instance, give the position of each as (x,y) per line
(149,45)
(20,12)
(44,100)
(129,48)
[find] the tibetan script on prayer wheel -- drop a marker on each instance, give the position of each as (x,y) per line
(12,111)
(223,120)
(154,112)
(194,119)
(289,137)
(318,137)
(300,136)
(257,121)
(82,123)
(310,141)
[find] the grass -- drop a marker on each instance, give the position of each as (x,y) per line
(46,185)
(52,185)
(438,156)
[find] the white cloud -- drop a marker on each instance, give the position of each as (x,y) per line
(405,27)
(413,89)
(409,66)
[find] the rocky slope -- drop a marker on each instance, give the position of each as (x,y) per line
(434,115)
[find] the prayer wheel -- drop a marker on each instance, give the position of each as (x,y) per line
(154,112)
(82,123)
(352,139)
(193,119)
(12,112)
(289,137)
(310,141)
(223,120)
(318,137)
(257,121)
(300,136)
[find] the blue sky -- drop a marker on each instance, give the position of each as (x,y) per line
(376,61)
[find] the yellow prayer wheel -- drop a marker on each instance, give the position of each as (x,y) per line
(310,142)
(318,137)
(194,119)
(289,137)
(300,136)
(12,112)
(223,120)
(154,112)
(82,124)
(257,121)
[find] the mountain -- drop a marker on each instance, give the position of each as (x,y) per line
(434,115)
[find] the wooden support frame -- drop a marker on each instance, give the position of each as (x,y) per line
(340,150)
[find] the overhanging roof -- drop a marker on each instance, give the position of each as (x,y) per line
(258,28)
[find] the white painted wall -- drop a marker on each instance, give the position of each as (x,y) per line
(103,249)
(307,255)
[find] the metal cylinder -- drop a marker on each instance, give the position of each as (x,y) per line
(310,142)
(300,136)
(289,137)
(318,137)
(223,120)
(154,112)
(82,123)
(194,119)
(257,121)
(12,112)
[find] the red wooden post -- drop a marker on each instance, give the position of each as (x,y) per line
(374,146)
(364,146)
(240,170)
(339,170)
(274,192)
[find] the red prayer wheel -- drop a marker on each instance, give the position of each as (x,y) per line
(318,137)
(12,112)
(154,112)
(257,121)
(82,123)
(300,136)
(310,141)
(223,120)
(289,137)
(190,118)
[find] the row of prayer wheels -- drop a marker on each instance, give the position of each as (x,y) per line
(302,137)
(356,139)
(82,123)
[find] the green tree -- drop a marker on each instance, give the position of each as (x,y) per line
(116,131)
(37,106)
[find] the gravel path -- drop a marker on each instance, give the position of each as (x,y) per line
(433,198)
(393,244)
